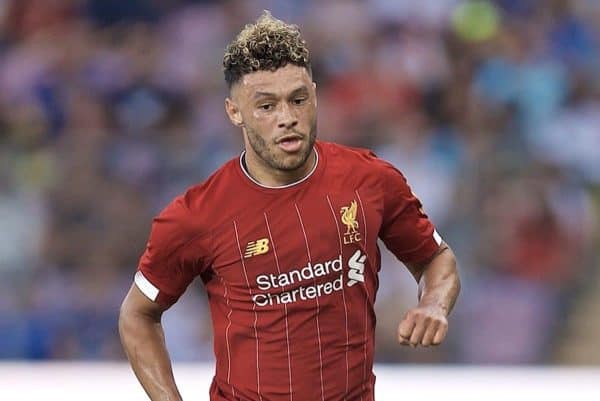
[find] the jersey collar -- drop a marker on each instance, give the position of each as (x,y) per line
(307,176)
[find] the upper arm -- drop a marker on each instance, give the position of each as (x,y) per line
(406,230)
(137,303)
(174,255)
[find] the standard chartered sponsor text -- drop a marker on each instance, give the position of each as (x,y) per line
(276,283)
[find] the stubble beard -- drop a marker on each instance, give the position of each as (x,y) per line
(268,152)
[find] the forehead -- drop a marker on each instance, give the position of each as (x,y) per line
(280,81)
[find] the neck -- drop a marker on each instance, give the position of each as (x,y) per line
(272,177)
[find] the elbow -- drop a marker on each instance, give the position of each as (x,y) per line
(454,272)
(127,318)
(451,274)
(457,282)
(123,321)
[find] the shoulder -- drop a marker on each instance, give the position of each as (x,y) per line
(336,150)
(208,193)
(357,160)
(191,211)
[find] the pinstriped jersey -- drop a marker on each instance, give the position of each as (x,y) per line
(291,272)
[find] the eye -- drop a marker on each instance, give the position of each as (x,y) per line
(266,106)
(299,100)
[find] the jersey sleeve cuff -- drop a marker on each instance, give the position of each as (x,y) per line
(152,292)
(146,287)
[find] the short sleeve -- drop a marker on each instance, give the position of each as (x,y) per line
(168,266)
(406,230)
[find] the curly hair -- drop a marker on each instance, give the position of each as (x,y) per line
(268,44)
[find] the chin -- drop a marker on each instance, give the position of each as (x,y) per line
(290,163)
(291,166)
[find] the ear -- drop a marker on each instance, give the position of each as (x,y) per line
(234,113)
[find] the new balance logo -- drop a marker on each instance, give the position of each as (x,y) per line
(258,247)
(356,270)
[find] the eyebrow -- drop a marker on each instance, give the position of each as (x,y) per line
(302,88)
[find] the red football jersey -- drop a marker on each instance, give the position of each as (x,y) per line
(291,272)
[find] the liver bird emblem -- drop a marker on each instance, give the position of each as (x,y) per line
(349,217)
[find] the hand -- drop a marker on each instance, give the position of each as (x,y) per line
(423,325)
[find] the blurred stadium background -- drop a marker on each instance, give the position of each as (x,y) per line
(109,108)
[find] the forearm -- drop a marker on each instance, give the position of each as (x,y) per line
(143,339)
(439,284)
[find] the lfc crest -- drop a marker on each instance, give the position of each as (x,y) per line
(349,219)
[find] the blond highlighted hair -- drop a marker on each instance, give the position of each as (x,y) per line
(268,44)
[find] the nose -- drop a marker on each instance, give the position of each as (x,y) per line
(287,118)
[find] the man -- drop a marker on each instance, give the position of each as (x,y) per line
(284,239)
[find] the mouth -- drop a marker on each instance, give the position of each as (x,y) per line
(290,143)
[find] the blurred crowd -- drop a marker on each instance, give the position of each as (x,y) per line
(109,108)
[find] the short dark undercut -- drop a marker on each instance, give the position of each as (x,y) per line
(266,45)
